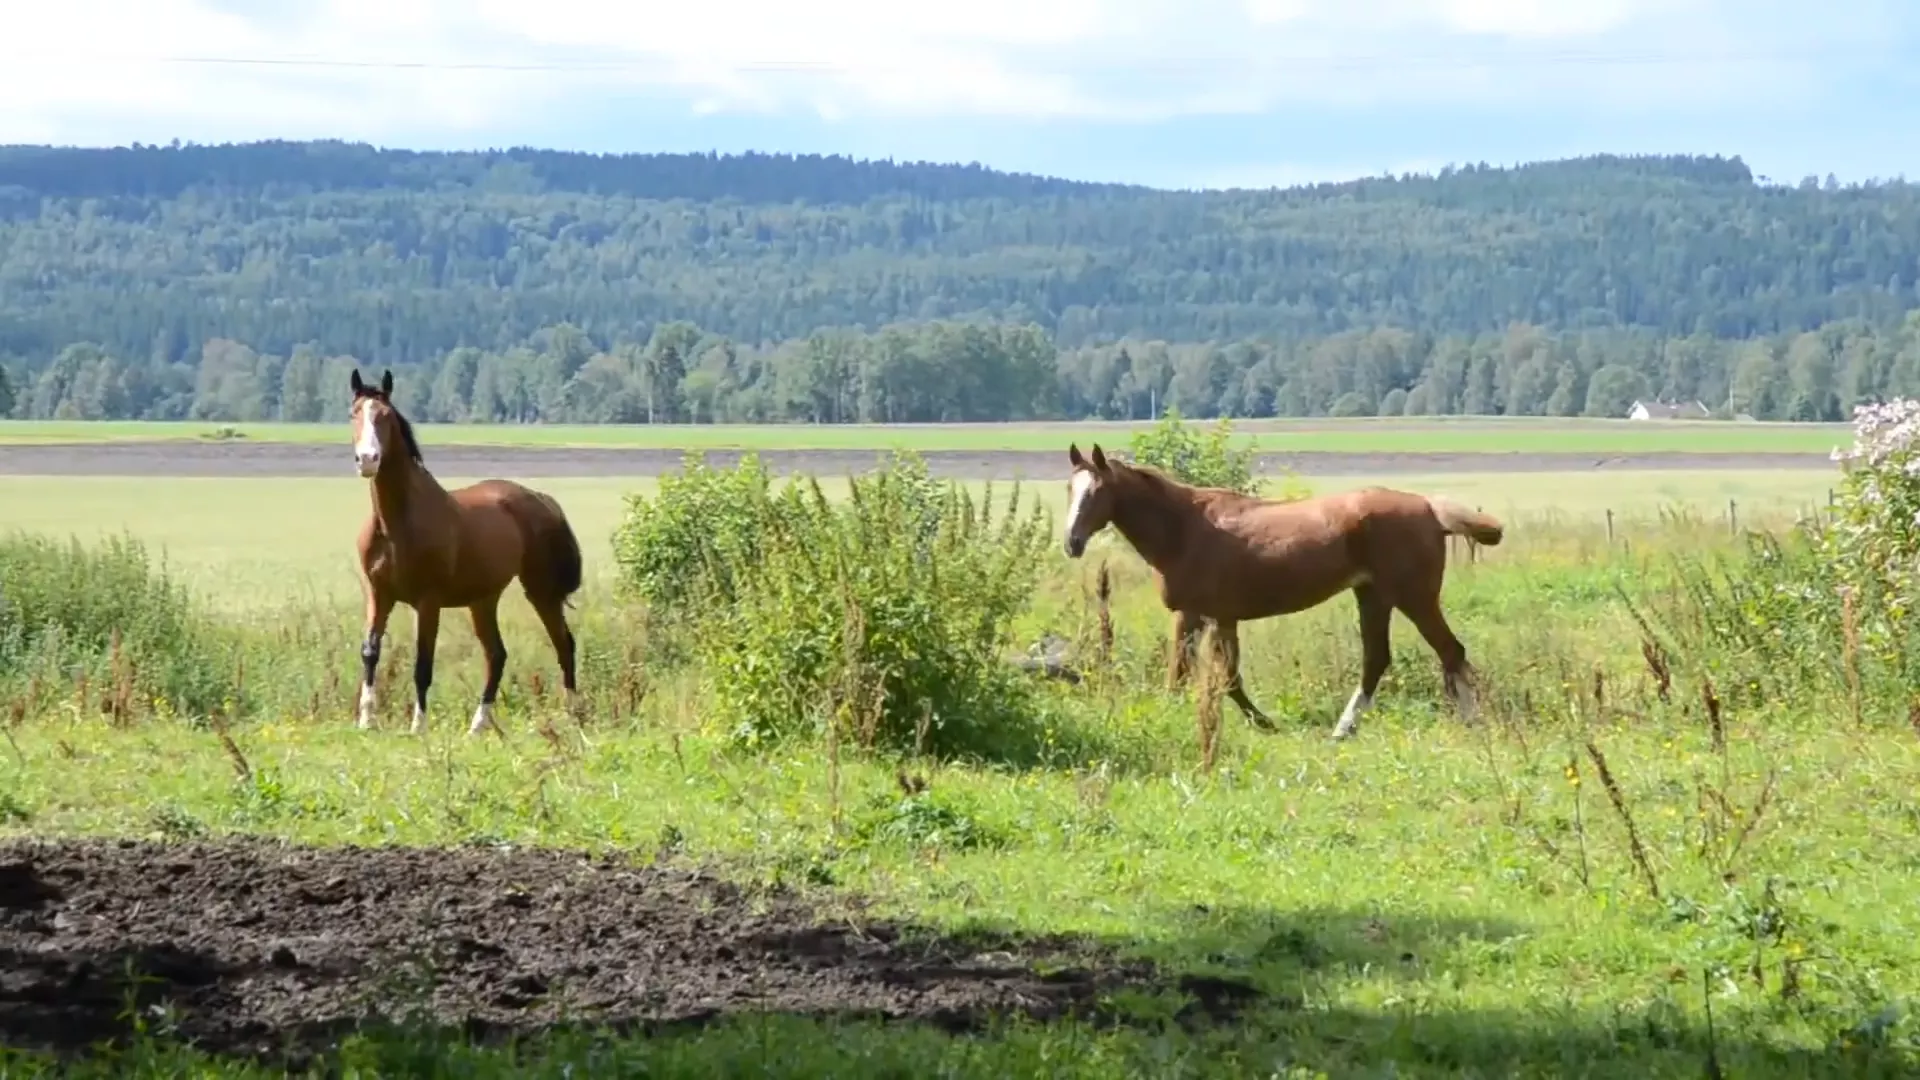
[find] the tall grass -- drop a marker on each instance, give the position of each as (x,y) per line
(103,627)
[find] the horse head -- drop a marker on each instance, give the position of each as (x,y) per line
(1090,496)
(376,424)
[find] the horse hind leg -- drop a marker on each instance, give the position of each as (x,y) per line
(1376,653)
(1456,672)
(553,617)
(426,637)
(486,627)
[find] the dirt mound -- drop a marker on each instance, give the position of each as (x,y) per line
(255,947)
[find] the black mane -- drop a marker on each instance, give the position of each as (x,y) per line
(406,435)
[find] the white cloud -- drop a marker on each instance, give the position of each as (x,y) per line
(91,70)
(1540,18)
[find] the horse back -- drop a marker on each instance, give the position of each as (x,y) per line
(1266,557)
(548,557)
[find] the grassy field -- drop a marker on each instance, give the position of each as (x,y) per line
(1409,435)
(1430,899)
(248,541)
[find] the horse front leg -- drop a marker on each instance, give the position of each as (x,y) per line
(379,610)
(426,625)
(1227,640)
(1184,647)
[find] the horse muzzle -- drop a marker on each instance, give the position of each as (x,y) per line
(368,466)
(1076,546)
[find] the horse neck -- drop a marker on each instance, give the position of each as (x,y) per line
(404,493)
(1153,516)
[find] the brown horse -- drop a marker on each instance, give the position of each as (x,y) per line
(1227,558)
(433,549)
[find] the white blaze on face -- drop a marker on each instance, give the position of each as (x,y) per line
(1078,491)
(366,449)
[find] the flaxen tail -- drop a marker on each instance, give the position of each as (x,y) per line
(1476,525)
(553,570)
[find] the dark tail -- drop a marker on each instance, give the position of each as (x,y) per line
(553,569)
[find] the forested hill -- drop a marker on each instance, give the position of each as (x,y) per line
(241,282)
(397,257)
(307,167)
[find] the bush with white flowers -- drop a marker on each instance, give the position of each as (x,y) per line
(1876,525)
(1827,615)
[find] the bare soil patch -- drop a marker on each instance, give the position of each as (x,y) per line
(240,459)
(259,947)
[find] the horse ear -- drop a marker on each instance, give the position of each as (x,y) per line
(1099,459)
(1073,455)
(359,387)
(386,382)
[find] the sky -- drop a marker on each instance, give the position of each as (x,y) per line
(1172,93)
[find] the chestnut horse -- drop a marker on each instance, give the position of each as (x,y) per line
(433,549)
(1222,557)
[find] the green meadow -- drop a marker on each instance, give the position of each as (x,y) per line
(1605,877)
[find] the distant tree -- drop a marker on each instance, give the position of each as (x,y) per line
(1613,390)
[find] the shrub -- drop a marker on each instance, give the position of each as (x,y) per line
(1829,609)
(1875,530)
(105,615)
(887,613)
(1208,459)
(1871,543)
(1765,624)
(680,545)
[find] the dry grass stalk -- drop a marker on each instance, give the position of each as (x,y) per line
(1212,686)
(118,705)
(1716,727)
(1850,634)
(844,709)
(241,769)
(1657,666)
(632,685)
(1103,596)
(1635,849)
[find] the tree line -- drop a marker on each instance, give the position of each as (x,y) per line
(947,371)
(402,258)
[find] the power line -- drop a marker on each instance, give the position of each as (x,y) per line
(654,63)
